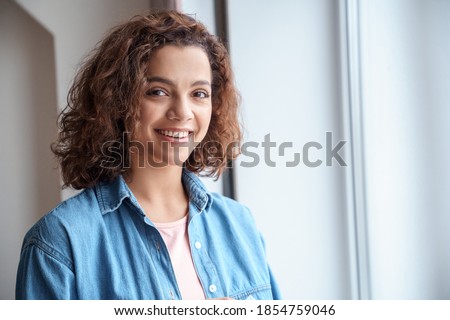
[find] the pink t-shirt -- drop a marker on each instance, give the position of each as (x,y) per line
(175,235)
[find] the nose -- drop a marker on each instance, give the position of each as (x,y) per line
(180,110)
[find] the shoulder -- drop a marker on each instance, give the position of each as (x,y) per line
(72,211)
(230,206)
(233,214)
(54,231)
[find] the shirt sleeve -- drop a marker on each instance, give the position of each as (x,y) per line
(43,274)
(276,293)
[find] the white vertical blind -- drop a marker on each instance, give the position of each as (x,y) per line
(286,60)
(387,62)
(406,50)
(352,115)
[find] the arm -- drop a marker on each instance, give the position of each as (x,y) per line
(276,293)
(43,273)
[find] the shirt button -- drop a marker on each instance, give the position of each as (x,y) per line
(212,288)
(198,245)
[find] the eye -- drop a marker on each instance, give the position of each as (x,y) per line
(202,94)
(156,92)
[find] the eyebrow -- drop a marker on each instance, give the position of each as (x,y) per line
(171,83)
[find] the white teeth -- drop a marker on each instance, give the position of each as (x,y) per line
(174,134)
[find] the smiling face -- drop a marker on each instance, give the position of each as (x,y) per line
(175,111)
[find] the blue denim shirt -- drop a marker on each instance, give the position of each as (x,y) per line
(100,245)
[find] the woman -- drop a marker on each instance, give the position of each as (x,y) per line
(152,107)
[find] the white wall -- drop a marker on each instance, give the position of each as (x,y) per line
(406,66)
(202,10)
(29,187)
(286,60)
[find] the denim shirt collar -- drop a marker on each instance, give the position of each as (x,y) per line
(111,195)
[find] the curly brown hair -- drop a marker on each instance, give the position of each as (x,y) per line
(104,99)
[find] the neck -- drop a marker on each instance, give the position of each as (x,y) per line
(160,192)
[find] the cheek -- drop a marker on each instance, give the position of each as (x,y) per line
(207,116)
(149,117)
(205,121)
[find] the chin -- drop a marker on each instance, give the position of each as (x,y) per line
(168,161)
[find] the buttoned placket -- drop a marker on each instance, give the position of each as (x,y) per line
(167,277)
(204,267)
(159,250)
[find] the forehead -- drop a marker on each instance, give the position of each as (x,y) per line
(179,61)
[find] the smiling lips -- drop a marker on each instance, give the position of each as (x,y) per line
(175,135)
